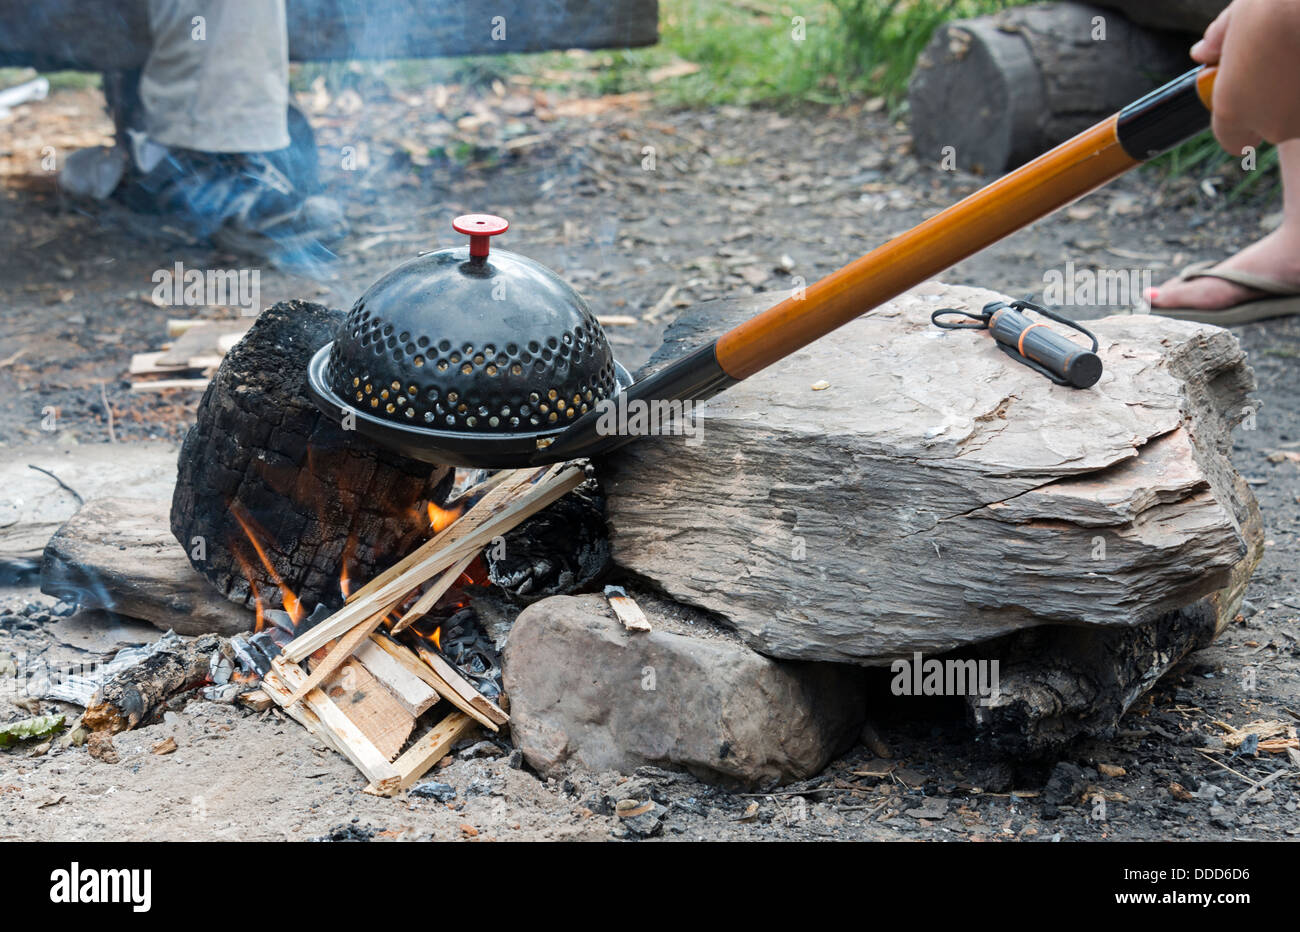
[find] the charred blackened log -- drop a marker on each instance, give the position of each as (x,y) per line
(139,694)
(1058,684)
(272,497)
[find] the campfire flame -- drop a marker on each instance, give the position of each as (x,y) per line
(440,518)
(252,585)
(287,596)
(345,579)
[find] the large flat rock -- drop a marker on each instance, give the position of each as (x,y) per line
(937,494)
(586,692)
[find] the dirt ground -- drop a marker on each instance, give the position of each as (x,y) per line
(739,201)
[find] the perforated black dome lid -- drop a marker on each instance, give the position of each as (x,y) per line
(460,342)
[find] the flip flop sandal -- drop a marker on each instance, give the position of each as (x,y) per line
(1278,300)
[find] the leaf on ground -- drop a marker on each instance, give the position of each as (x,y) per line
(27,728)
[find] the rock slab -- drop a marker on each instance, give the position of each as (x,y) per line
(585,692)
(937,495)
(33,505)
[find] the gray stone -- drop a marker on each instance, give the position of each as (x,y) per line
(937,495)
(101,632)
(586,692)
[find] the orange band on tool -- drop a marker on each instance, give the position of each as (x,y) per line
(1020,344)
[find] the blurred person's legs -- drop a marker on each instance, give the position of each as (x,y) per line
(217,78)
(207,142)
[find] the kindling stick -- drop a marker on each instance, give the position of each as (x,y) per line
(534,500)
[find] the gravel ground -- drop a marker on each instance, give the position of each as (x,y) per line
(740,201)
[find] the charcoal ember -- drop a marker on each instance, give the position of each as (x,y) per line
(482,749)
(352,831)
(318,614)
(638,819)
(227,692)
(466,644)
(280,618)
(432,789)
(255,652)
(245,656)
(562,549)
(269,642)
(221,665)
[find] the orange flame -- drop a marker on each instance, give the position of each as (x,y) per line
(345,580)
(287,597)
(440,518)
(252,585)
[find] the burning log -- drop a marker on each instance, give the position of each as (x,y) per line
(937,496)
(139,694)
(274,502)
(365,691)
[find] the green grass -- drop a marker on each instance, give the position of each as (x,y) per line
(1203,158)
(749,52)
(59,80)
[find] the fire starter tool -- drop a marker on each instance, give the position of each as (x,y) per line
(1029,342)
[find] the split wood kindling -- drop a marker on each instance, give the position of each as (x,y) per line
(347,656)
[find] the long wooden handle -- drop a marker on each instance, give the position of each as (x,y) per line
(1098,155)
(1145,128)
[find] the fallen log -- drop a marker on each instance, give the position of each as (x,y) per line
(1187,16)
(117,554)
(1058,684)
(103,35)
(1003,88)
(137,695)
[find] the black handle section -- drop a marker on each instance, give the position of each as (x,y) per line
(1059,358)
(1167,116)
(695,377)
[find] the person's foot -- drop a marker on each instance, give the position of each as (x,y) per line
(1275,257)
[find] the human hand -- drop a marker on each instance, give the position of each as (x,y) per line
(1256,44)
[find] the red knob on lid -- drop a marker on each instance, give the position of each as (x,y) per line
(479,227)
